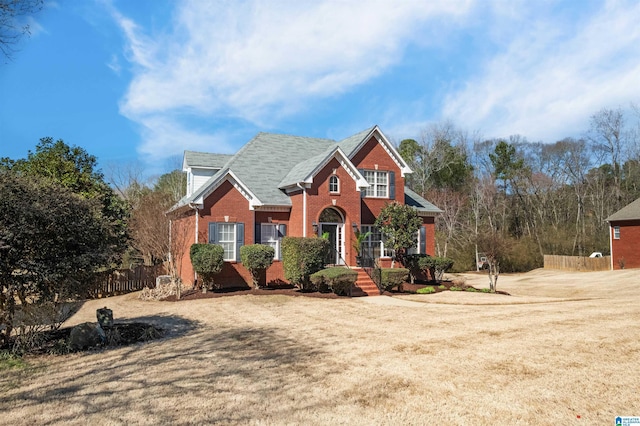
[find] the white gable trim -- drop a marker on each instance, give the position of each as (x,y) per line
(237,184)
(346,164)
(388,147)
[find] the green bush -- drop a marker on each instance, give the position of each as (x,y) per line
(436,266)
(338,279)
(426,290)
(256,258)
(207,261)
(392,277)
(454,288)
(302,257)
(412,263)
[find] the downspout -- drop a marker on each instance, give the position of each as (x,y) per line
(304,209)
(195,207)
(611,246)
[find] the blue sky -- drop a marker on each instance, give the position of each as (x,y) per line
(141,81)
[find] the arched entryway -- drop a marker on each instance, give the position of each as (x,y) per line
(331,223)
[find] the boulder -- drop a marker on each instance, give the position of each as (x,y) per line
(86,335)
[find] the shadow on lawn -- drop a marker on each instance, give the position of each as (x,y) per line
(225,369)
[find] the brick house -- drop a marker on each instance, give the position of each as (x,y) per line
(624,236)
(278,185)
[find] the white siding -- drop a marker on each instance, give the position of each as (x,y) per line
(197,177)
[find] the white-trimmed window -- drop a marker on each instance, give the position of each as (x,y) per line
(373,246)
(230,236)
(378,184)
(616,232)
(227,239)
(269,236)
(334,184)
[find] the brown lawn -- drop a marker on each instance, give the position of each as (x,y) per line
(562,349)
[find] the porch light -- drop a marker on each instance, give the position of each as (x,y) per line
(354,226)
(314,225)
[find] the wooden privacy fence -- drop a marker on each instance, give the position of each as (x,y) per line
(577,263)
(126,280)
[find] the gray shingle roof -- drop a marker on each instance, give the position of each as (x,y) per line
(270,161)
(205,159)
(629,212)
(348,145)
(416,201)
(300,171)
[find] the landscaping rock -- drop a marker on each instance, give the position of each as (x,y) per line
(86,335)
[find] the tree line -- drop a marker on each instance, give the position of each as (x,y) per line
(517,200)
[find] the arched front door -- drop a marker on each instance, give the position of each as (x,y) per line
(332,225)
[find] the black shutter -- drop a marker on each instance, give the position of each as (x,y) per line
(213,234)
(239,239)
(362,190)
(392,185)
(282,232)
(258,232)
(423,240)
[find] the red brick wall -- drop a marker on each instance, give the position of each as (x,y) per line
(228,201)
(372,154)
(429,224)
(347,201)
(182,236)
(627,248)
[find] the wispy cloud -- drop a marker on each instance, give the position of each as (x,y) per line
(544,69)
(260,61)
(554,73)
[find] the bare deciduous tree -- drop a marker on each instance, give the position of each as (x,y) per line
(12,27)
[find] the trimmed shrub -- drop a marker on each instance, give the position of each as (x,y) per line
(338,279)
(207,261)
(436,266)
(256,258)
(392,277)
(301,257)
(426,290)
(412,263)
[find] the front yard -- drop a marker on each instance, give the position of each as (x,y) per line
(562,349)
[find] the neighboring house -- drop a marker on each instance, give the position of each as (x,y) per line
(278,185)
(624,236)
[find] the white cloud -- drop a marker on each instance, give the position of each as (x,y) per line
(258,61)
(554,74)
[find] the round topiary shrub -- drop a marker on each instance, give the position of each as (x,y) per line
(207,260)
(256,258)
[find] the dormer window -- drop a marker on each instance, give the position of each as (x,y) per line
(334,184)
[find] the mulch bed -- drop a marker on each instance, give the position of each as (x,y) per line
(121,334)
(287,291)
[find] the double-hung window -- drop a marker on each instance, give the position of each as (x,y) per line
(269,237)
(227,239)
(378,184)
(230,236)
(270,234)
(616,232)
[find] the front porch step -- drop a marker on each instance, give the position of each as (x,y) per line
(364,285)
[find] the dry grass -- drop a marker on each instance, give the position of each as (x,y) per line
(564,345)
